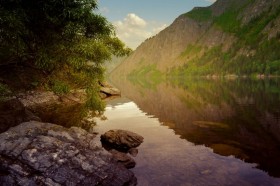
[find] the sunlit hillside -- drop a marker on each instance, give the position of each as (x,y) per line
(239,37)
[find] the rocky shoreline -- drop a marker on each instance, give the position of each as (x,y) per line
(36,152)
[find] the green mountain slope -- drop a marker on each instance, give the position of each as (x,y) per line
(240,37)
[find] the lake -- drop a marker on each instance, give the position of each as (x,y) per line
(201,131)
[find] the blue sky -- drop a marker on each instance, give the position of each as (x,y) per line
(136,20)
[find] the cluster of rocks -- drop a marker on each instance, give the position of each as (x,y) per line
(106,90)
(121,143)
(34,98)
(33,152)
(36,153)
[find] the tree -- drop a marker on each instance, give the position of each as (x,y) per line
(68,39)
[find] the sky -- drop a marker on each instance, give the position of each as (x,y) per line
(137,20)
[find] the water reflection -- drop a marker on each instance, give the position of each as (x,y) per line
(233,117)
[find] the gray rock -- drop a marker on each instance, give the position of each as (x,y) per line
(77,96)
(122,139)
(34,98)
(35,153)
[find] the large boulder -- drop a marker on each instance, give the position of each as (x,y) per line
(32,99)
(35,153)
(122,139)
(107,90)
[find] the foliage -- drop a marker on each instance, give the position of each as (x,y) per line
(251,33)
(65,37)
(215,61)
(252,54)
(191,50)
(60,87)
(93,101)
(4,90)
(200,14)
(228,21)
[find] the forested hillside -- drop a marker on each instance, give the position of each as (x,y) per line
(230,37)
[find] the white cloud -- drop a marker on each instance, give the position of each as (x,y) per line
(133,29)
(134,20)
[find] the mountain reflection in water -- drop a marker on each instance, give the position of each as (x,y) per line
(233,117)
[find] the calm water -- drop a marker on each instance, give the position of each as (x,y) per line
(201,132)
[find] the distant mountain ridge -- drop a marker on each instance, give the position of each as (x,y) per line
(229,37)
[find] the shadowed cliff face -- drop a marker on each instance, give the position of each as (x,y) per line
(238,117)
(221,25)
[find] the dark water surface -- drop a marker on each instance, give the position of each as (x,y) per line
(201,132)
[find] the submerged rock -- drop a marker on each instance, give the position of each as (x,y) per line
(122,139)
(35,153)
(121,144)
